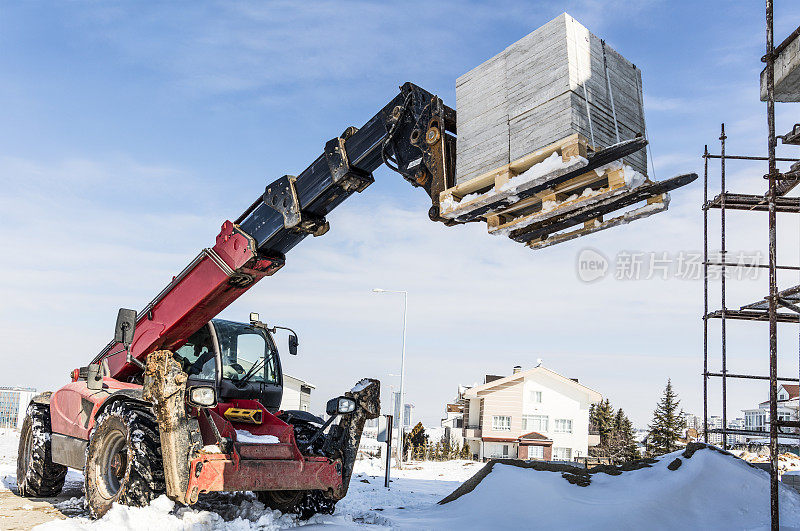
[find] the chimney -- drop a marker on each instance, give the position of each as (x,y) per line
(517,368)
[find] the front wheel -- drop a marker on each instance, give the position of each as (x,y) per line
(304,503)
(123,462)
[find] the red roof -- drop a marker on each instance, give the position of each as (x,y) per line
(534,436)
(792,389)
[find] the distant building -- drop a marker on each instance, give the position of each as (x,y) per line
(715,423)
(13,404)
(692,422)
(734,438)
(408,412)
(296,394)
(408,415)
(453,421)
(396,407)
(532,414)
(757,419)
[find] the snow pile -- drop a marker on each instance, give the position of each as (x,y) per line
(246,437)
(239,512)
(709,489)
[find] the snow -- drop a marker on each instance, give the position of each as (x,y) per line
(9,440)
(709,490)
(9,443)
(212,449)
(247,437)
(244,513)
(632,177)
(361,385)
(550,164)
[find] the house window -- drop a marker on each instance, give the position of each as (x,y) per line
(562,454)
(563,426)
(535,423)
(501,423)
(535,452)
(536,397)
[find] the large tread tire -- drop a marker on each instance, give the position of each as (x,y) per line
(123,460)
(304,503)
(37,475)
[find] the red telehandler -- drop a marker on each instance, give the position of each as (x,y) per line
(182,403)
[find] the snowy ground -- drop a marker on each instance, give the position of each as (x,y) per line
(708,490)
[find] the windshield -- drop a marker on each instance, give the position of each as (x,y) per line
(247,353)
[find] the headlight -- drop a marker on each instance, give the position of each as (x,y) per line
(203,396)
(340,405)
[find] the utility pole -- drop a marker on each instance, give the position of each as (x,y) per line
(401,419)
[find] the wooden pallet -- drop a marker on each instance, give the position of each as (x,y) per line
(488,185)
(661,203)
(558,198)
(548,228)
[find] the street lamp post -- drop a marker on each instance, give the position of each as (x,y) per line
(400,424)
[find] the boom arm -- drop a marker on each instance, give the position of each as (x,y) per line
(413,135)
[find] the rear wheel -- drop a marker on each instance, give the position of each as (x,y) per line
(123,462)
(37,475)
(304,503)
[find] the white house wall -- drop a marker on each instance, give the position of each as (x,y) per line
(560,400)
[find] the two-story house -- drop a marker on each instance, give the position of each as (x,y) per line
(532,414)
(788,398)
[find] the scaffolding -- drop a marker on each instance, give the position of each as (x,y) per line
(779,306)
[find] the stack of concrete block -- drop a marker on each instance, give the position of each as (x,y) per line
(787,71)
(532,94)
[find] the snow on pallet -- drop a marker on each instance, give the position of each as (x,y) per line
(503,183)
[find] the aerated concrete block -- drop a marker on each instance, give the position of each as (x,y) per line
(532,94)
(787,73)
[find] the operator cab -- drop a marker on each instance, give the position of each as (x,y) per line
(241,360)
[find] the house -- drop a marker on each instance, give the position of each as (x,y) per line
(453,421)
(757,419)
(296,394)
(532,414)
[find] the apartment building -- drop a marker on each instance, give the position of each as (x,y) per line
(13,404)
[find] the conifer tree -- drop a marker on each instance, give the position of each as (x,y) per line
(601,419)
(624,439)
(667,424)
(465,453)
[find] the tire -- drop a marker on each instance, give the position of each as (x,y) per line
(304,503)
(37,475)
(123,460)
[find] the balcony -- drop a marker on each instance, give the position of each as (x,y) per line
(472,432)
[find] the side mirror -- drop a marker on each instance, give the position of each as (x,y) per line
(126,326)
(293,344)
(94,377)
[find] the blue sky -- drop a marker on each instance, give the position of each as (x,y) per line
(129,132)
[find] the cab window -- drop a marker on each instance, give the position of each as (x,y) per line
(197,355)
